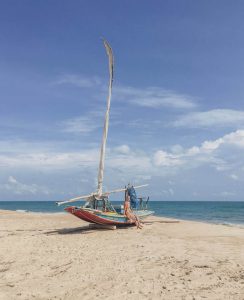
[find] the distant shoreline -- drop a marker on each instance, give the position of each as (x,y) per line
(240,226)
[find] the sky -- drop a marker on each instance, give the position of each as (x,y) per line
(177,110)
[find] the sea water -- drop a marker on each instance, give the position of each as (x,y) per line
(224,212)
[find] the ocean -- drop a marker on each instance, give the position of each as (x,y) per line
(228,213)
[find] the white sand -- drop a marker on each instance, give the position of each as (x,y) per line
(42,257)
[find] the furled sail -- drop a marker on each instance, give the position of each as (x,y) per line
(106,121)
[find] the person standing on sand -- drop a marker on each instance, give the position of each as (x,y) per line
(129,214)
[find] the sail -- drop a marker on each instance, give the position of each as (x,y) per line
(106,121)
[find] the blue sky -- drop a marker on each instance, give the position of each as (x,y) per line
(177,112)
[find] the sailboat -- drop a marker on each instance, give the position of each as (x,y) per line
(98,209)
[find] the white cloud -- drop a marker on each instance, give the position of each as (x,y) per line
(83,124)
(163,158)
(198,155)
(78,81)
(154,97)
(50,160)
(80,125)
(233,138)
(21,154)
(16,187)
(215,117)
(123,149)
(135,162)
(123,164)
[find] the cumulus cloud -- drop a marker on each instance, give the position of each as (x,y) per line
(122,156)
(197,155)
(235,138)
(163,158)
(215,117)
(45,158)
(125,164)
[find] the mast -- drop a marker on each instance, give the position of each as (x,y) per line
(106,120)
(99,193)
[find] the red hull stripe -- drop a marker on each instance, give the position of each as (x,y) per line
(93,218)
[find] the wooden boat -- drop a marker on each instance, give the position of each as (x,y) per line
(98,209)
(105,218)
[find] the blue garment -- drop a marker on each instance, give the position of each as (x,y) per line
(133,197)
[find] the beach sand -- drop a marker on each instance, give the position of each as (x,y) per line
(56,256)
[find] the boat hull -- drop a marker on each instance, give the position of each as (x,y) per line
(105,218)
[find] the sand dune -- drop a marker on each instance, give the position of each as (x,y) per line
(54,256)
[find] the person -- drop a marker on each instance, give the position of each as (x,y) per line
(129,214)
(133,197)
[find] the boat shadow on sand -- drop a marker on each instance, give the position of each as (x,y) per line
(87,229)
(76,230)
(83,230)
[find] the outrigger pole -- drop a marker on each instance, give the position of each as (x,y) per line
(92,195)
